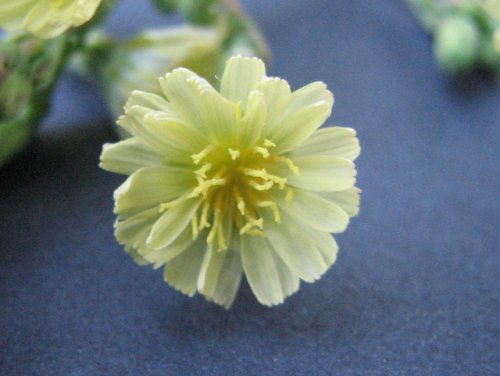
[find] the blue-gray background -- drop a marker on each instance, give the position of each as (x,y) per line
(415,290)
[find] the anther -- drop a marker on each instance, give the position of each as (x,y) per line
(291,165)
(272,205)
(202,172)
(261,187)
(197,158)
(262,151)
(235,154)
(269,143)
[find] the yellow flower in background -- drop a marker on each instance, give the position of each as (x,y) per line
(45,18)
(241,181)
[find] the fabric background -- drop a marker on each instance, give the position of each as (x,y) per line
(415,290)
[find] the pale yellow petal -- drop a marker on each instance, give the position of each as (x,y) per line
(314,211)
(12,13)
(325,244)
(220,118)
(277,96)
(295,248)
(182,271)
(347,199)
(332,141)
(229,279)
(150,186)
(301,119)
(134,253)
(133,122)
(151,101)
(270,279)
(183,90)
(322,174)
(240,77)
(161,256)
(128,156)
(210,271)
(134,230)
(171,223)
(253,121)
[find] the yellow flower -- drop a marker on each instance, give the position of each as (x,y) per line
(45,18)
(240,181)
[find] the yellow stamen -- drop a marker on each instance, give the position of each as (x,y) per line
(235,154)
(204,216)
(204,186)
(221,240)
(262,173)
(239,200)
(274,208)
(251,224)
(260,187)
(262,151)
(197,158)
(290,165)
(269,143)
(276,179)
(202,172)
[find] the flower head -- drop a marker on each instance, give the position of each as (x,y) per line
(240,181)
(45,18)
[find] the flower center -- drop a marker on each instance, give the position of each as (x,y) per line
(234,185)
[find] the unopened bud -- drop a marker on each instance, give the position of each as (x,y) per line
(457,43)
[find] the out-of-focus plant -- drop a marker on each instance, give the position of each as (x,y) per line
(465,33)
(29,68)
(32,59)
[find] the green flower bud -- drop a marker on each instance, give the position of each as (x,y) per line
(29,68)
(137,64)
(457,44)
